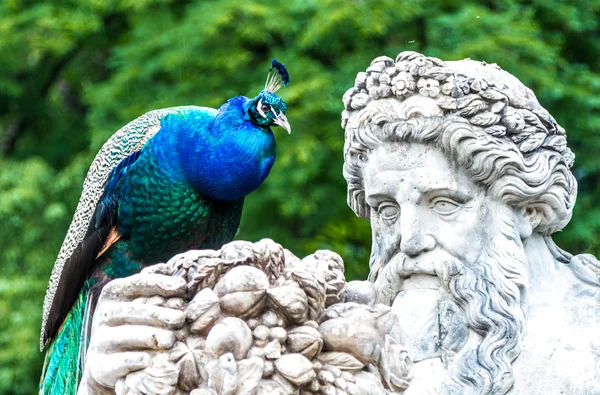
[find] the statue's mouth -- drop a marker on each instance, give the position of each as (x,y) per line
(402,273)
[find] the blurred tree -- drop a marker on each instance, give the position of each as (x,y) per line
(73,72)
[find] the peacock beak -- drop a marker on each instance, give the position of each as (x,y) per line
(282,121)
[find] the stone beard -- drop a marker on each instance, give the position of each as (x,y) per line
(489,302)
(481,284)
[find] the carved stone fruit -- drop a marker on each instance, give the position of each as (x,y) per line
(357,337)
(241,279)
(296,368)
(304,340)
(230,335)
(241,291)
(190,376)
(340,360)
(268,319)
(290,302)
(278,333)
(203,310)
(362,292)
(272,350)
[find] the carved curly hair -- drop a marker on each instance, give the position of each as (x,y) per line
(486,120)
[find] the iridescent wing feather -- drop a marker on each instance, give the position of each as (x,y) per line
(127,140)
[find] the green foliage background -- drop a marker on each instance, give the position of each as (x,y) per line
(72,72)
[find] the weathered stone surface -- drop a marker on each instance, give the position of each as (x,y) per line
(230,335)
(305,340)
(296,368)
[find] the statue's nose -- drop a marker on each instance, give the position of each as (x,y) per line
(415,238)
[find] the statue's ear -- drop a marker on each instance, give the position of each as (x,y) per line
(527,219)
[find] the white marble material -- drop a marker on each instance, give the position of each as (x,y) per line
(464,177)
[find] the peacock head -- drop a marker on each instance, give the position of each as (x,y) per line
(268,109)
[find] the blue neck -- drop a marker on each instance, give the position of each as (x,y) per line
(225,158)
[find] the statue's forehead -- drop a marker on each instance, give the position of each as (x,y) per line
(393,166)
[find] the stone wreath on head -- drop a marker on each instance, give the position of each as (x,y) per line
(482,117)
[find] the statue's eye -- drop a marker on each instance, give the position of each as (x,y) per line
(265,108)
(445,206)
(388,211)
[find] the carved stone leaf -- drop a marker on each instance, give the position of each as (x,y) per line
(532,120)
(557,143)
(315,288)
(376,67)
(270,258)
(386,60)
(340,360)
(189,371)
(447,102)
(532,143)
(439,73)
(361,80)
(347,98)
(493,95)
(498,106)
(485,119)
(475,107)
(465,101)
(407,56)
(496,130)
(517,138)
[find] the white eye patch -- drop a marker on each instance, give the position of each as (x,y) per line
(259,108)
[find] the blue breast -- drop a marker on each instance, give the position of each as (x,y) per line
(222,154)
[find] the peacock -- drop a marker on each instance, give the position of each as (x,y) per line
(171,180)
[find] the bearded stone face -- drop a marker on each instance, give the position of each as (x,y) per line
(448,256)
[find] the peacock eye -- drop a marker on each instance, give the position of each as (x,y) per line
(265,108)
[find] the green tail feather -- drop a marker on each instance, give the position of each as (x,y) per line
(63,365)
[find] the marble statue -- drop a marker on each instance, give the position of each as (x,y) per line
(464,178)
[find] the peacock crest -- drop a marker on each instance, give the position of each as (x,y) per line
(277,78)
